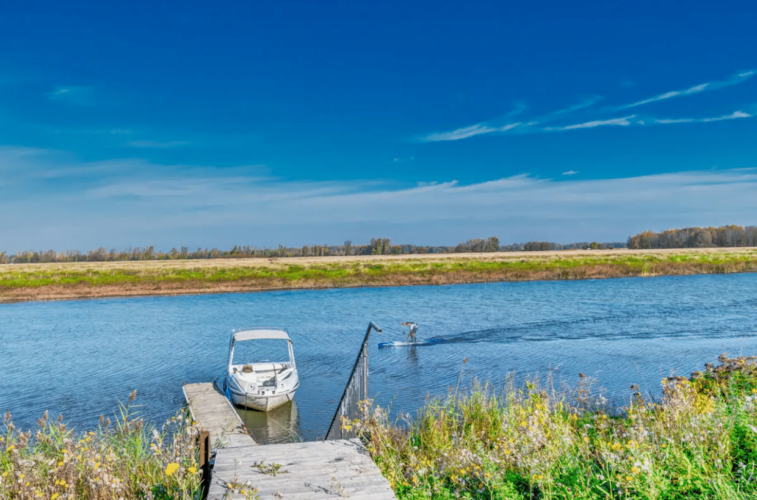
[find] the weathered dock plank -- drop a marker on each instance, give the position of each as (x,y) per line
(214,413)
(314,470)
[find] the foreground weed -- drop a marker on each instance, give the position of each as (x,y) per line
(124,459)
(699,441)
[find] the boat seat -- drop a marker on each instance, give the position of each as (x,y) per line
(247,369)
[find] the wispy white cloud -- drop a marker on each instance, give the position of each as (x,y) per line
(403,160)
(458,134)
(72,95)
(540,124)
(480,128)
(133,202)
(156,144)
(489,127)
(570,172)
(466,132)
(733,116)
(621,122)
(586,103)
(696,89)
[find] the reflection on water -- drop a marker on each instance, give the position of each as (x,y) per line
(80,358)
(280,425)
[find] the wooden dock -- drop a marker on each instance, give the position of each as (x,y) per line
(215,414)
(299,471)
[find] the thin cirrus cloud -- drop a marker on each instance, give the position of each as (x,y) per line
(539,124)
(733,116)
(696,89)
(466,132)
(133,202)
(71,95)
(622,122)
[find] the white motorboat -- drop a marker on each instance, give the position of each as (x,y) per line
(261,384)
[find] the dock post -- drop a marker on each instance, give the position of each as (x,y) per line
(205,460)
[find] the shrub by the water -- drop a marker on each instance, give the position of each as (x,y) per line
(698,441)
(121,460)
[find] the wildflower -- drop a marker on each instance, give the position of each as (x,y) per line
(586,439)
(171,468)
(55,495)
(635,470)
(191,470)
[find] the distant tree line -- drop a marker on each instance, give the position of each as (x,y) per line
(377,246)
(697,237)
(692,237)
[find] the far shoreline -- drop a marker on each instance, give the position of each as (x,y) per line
(93,280)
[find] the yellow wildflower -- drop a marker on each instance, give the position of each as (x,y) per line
(171,468)
(191,470)
(55,495)
(635,470)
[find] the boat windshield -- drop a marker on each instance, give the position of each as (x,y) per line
(261,351)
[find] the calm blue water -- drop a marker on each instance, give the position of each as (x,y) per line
(80,358)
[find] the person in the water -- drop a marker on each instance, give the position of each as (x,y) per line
(413,329)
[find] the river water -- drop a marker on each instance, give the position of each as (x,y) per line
(80,358)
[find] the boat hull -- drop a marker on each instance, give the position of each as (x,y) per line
(262,402)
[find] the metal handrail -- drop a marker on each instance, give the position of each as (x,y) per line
(364,347)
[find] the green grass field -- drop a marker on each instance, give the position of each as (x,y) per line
(338,273)
(81,280)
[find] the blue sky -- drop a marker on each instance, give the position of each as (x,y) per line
(204,124)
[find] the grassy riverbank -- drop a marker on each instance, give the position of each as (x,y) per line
(81,280)
(700,442)
(124,459)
